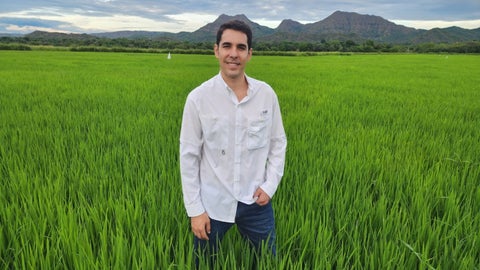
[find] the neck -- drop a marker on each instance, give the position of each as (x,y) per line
(238,82)
(239,85)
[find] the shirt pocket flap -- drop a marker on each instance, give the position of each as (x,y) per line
(257,134)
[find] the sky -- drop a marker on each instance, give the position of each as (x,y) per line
(93,16)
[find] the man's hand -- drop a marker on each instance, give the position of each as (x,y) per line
(201,226)
(261,197)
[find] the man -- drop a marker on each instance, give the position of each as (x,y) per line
(232,148)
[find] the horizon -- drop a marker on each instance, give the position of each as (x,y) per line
(274,25)
(87,16)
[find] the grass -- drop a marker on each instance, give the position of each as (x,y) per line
(382,168)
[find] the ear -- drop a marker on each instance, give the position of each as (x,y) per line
(215,49)
(250,52)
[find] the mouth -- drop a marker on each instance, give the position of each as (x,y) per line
(233,63)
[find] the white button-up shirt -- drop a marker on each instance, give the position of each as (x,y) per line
(229,148)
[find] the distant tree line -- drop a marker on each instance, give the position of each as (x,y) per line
(370,46)
(161,45)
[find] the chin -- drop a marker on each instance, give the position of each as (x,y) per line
(233,74)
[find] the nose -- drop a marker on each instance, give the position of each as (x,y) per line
(233,52)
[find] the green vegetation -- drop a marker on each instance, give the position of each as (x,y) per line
(382,170)
(164,45)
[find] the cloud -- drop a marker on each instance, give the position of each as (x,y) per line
(191,21)
(472,24)
(26,25)
(30,22)
(53,19)
(175,16)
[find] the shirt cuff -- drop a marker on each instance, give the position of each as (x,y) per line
(269,188)
(194,210)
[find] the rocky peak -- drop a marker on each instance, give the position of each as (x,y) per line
(290,26)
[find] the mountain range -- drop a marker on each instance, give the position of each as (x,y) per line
(340,26)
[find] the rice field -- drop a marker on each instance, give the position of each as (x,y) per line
(382,169)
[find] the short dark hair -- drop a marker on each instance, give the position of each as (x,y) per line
(238,26)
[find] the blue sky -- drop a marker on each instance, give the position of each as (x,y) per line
(91,16)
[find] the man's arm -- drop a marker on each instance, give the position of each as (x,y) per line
(276,154)
(190,154)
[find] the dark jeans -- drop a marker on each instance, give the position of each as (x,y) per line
(255,223)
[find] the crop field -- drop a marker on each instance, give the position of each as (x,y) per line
(382,169)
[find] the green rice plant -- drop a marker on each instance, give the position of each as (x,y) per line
(382,168)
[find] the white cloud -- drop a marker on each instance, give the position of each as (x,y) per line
(190,21)
(117,22)
(174,16)
(268,23)
(418,24)
(76,22)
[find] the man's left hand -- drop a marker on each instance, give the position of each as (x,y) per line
(261,197)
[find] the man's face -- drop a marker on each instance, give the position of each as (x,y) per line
(233,53)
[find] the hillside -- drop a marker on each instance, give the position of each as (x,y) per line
(209,31)
(365,26)
(340,26)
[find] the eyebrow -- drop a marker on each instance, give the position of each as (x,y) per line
(240,45)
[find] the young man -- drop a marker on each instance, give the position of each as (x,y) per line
(232,148)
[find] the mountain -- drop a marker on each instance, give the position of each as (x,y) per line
(449,35)
(42,35)
(365,26)
(289,26)
(340,25)
(209,31)
(10,35)
(134,34)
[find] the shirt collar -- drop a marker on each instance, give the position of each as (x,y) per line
(251,87)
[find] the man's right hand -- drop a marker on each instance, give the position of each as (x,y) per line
(201,226)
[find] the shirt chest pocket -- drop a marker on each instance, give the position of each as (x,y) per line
(215,131)
(257,135)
